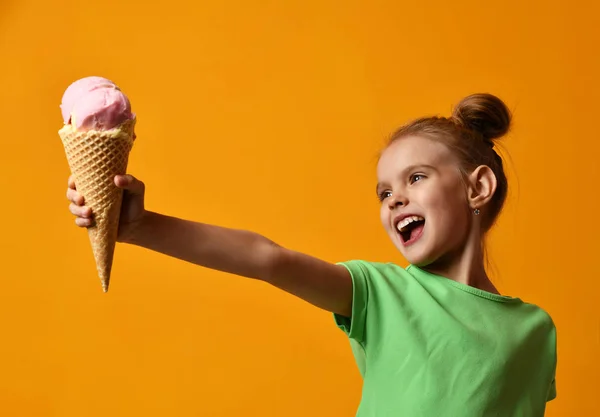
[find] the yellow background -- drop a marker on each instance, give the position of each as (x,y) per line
(268,116)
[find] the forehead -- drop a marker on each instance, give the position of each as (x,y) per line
(413,150)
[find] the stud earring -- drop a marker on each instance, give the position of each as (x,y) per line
(476,211)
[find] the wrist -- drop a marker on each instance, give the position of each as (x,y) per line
(137,229)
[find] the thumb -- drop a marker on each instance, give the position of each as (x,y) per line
(130,183)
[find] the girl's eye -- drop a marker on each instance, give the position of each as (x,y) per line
(416,177)
(384,194)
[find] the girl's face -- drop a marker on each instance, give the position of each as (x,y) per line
(424,207)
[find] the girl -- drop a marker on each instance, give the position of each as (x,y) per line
(433,339)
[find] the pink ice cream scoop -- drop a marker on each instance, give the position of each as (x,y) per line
(95,103)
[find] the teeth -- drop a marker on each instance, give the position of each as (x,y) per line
(402,225)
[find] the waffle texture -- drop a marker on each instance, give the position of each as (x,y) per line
(95,157)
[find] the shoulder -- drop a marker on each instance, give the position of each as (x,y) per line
(541,315)
(378,275)
(371,269)
(541,331)
(537,324)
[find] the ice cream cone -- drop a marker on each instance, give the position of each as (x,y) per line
(95,157)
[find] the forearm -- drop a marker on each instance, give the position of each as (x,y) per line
(234,251)
(247,254)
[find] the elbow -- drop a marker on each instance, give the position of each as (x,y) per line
(271,256)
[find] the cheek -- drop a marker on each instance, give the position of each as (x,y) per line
(384,216)
(447,205)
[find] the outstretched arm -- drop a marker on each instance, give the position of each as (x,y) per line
(247,254)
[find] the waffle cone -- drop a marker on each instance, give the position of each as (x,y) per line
(95,157)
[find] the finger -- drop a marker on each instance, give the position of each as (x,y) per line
(80,211)
(74,197)
(71,182)
(130,183)
(81,222)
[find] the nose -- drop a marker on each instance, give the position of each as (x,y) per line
(397,201)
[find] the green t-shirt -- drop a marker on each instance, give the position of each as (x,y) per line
(428,346)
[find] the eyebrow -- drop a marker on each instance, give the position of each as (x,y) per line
(408,169)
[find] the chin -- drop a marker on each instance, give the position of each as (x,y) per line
(419,254)
(420,260)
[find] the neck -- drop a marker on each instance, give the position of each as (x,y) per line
(465,265)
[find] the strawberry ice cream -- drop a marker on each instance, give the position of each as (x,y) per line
(95,103)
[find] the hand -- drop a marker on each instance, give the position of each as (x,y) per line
(132,208)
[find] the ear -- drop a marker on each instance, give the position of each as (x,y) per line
(482,186)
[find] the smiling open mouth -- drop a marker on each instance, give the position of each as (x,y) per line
(411,229)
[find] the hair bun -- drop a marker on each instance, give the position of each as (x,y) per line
(485,114)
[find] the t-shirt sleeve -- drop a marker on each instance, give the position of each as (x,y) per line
(552,391)
(354,326)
